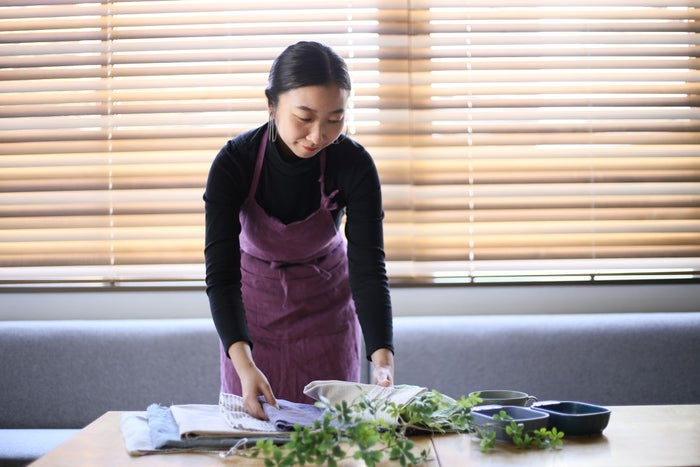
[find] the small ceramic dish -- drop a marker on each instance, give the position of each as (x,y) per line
(575,418)
(531,419)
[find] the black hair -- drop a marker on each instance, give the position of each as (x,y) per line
(305,64)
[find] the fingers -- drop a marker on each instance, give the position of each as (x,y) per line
(257,385)
(386,383)
(270,397)
(254,408)
(382,377)
(383,372)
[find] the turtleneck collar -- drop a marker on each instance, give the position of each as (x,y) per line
(288,163)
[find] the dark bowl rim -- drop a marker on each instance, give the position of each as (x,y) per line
(541,406)
(537,414)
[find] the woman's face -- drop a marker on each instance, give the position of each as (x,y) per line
(310,118)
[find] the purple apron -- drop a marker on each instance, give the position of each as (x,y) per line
(296,293)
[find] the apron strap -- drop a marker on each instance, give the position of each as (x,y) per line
(258,165)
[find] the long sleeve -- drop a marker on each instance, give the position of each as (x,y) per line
(227,187)
(365,236)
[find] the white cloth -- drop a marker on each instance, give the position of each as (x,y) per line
(338,391)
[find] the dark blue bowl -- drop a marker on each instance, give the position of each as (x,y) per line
(531,419)
(575,418)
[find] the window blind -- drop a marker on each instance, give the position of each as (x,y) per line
(553,139)
(516,140)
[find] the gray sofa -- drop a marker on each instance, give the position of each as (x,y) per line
(58,376)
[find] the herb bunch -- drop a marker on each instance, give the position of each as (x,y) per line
(356,431)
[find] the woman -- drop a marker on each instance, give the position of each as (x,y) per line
(285,290)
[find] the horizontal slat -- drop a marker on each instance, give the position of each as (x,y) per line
(423,89)
(213,139)
(194,175)
(478,215)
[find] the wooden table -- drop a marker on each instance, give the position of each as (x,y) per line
(636,436)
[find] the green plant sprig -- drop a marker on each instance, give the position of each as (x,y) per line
(355,431)
(541,438)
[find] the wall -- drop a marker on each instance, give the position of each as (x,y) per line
(451,300)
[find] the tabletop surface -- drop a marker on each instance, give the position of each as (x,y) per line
(638,436)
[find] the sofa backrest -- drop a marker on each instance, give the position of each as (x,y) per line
(608,359)
(65,374)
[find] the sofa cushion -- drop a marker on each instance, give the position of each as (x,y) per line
(19,447)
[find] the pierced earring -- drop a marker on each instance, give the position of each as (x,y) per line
(271,130)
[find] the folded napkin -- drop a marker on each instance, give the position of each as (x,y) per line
(156,431)
(282,419)
(208,421)
(291,413)
(166,434)
(139,439)
(237,417)
(338,391)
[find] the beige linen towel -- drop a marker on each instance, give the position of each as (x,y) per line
(201,420)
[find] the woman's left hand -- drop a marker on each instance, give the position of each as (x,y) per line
(383,371)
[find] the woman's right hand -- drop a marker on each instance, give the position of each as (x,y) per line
(253,382)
